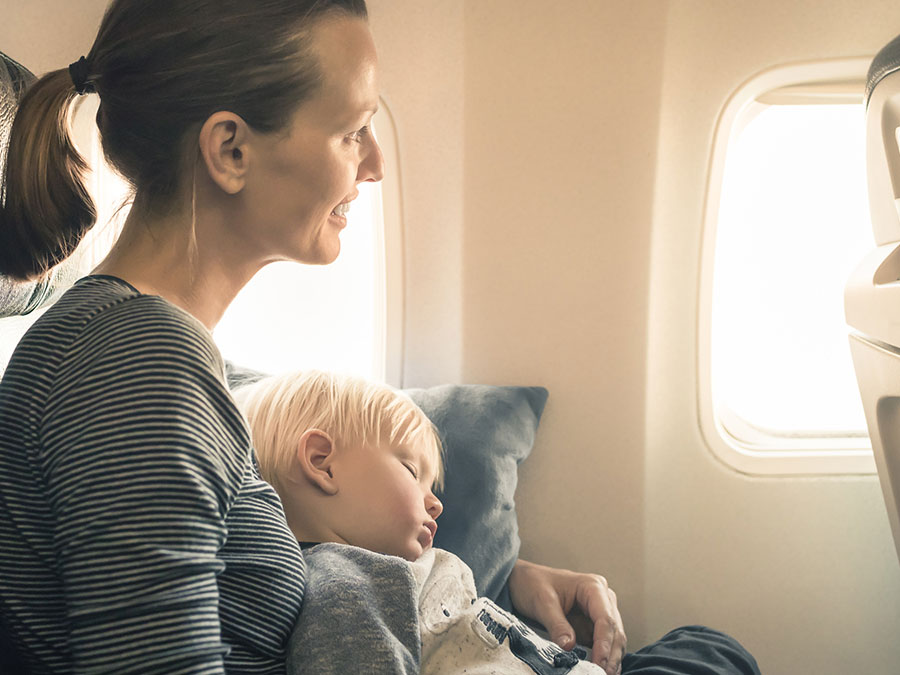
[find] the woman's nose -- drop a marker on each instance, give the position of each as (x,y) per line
(371,169)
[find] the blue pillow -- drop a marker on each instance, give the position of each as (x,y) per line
(486,431)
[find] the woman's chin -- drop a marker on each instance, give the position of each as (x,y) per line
(331,256)
(321,255)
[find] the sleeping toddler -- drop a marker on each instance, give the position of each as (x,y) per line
(357,465)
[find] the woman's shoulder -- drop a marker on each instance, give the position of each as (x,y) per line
(100,295)
(106,310)
(103,322)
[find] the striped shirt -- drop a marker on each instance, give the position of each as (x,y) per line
(136,535)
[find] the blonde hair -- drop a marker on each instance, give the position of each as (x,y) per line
(352,410)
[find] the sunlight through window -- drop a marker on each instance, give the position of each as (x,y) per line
(793,223)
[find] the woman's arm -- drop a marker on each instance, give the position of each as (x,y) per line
(140,473)
(559,598)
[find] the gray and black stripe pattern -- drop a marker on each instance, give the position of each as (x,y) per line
(135,532)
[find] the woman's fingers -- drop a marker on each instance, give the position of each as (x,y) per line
(598,601)
(561,631)
(548,595)
(533,595)
(619,640)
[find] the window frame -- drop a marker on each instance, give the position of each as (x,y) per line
(393,242)
(756,452)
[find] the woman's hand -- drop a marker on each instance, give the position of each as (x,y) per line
(555,597)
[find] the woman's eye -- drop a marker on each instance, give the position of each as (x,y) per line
(359,134)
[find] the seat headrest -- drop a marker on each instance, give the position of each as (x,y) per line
(14,78)
(882,151)
(18,297)
(886,61)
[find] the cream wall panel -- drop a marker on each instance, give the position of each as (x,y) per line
(802,570)
(561,115)
(420,47)
(46,35)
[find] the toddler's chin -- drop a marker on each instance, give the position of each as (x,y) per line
(414,552)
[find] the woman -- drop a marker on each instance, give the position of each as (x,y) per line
(135,533)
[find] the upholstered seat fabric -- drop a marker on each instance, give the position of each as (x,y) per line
(17,297)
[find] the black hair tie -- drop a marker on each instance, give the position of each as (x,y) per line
(78,71)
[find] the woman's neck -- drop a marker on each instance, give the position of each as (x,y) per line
(182,258)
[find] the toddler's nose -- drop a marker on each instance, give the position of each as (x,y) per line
(433,506)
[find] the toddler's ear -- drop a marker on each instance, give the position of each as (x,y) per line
(315,454)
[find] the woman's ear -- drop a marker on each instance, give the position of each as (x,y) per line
(314,458)
(223,147)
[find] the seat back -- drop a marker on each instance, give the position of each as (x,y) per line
(16,297)
(872,294)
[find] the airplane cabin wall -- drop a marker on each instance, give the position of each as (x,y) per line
(587,135)
(802,569)
(421,56)
(46,35)
(562,112)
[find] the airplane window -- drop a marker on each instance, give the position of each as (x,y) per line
(793,223)
(788,223)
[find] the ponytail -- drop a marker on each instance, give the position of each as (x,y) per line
(46,208)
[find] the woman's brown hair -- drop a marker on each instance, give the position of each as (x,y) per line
(161,68)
